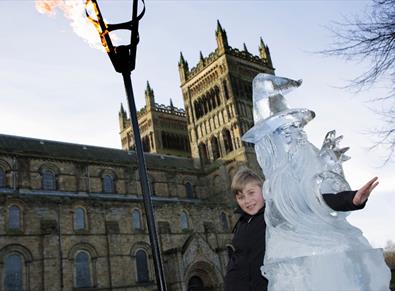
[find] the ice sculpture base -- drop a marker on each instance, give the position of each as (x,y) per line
(342,271)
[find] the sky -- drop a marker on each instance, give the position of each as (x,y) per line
(55,86)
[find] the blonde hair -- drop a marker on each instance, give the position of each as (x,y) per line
(243,176)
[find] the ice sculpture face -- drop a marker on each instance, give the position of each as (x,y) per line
(308,245)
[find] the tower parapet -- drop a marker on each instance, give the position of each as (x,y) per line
(223,47)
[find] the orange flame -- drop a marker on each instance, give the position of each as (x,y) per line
(73,10)
(93,15)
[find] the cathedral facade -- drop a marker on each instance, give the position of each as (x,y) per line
(72,216)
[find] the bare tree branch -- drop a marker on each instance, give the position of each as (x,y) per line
(372,39)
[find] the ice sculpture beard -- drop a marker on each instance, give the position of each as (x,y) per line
(286,155)
(284,158)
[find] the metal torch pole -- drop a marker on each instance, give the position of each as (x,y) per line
(153,235)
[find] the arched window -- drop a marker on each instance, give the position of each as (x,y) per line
(205,104)
(2,178)
(108,184)
(79,218)
(195,284)
(48,180)
(227,140)
(14,218)
(213,100)
(165,142)
(189,190)
(146,144)
(13,275)
(224,221)
(226,92)
(207,100)
(203,153)
(215,148)
(217,96)
(136,219)
(142,266)
(196,107)
(184,221)
(82,269)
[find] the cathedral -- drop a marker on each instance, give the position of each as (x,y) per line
(72,215)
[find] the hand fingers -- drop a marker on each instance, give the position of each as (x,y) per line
(373,180)
(374,185)
(370,183)
(367,192)
(364,192)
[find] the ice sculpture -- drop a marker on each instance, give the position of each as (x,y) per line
(308,245)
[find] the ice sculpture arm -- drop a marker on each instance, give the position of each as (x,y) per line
(331,142)
(351,200)
(331,154)
(363,194)
(342,201)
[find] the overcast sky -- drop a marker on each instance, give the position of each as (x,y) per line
(54,86)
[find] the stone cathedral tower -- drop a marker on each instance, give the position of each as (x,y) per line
(163,128)
(217,95)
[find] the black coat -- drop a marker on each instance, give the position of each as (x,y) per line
(243,271)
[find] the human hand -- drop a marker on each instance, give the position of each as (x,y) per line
(364,192)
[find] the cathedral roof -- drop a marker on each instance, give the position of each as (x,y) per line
(46,149)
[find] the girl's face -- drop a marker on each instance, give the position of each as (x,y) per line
(250,199)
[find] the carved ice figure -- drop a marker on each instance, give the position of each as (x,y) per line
(309,246)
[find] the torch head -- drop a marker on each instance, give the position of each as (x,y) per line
(123,57)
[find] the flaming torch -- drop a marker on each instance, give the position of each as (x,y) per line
(123,58)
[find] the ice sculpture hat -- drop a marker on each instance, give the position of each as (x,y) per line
(270,109)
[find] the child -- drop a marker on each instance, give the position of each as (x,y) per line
(248,244)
